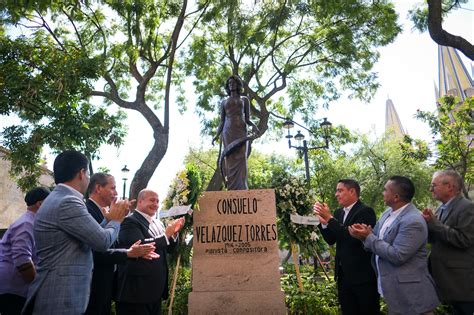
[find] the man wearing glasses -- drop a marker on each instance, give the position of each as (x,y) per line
(451,234)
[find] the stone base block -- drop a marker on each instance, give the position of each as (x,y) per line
(237,302)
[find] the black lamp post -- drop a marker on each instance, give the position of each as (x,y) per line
(125,170)
(325,126)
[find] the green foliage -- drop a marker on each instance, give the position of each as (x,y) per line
(205,161)
(452,127)
(183,287)
(51,107)
(312,50)
(69,51)
(419,14)
(319,296)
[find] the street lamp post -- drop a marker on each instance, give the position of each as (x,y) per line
(325,126)
(125,170)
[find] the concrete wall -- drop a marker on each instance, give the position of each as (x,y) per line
(12,203)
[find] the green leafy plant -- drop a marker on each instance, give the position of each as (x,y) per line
(318,297)
(183,287)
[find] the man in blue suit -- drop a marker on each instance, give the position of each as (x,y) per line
(64,233)
(398,244)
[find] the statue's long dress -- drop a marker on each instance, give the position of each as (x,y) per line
(234,136)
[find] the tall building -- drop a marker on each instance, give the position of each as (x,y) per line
(392,121)
(454,79)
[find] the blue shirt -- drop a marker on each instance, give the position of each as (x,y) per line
(17,247)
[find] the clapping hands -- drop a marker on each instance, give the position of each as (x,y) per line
(322,211)
(174,227)
(146,251)
(360,231)
(118,210)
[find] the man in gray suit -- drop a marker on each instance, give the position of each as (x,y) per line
(451,234)
(398,243)
(64,233)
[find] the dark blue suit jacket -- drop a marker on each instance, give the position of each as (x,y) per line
(104,270)
(141,280)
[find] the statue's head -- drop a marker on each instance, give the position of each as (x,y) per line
(238,82)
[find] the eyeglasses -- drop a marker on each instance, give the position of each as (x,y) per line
(432,185)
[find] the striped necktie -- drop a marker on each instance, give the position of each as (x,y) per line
(154,229)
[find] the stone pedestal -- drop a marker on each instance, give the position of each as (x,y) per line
(235,255)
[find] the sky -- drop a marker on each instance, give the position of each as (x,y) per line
(407,71)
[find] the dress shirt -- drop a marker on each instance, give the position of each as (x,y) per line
(346,211)
(17,247)
(442,209)
(388,222)
(156,227)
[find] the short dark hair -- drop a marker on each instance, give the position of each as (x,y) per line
(351,183)
(67,164)
(98,179)
(35,195)
(404,187)
(240,84)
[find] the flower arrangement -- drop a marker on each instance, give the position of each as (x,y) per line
(294,197)
(185,188)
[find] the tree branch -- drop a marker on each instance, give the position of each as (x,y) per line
(442,37)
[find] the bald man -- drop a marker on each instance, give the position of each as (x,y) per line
(142,284)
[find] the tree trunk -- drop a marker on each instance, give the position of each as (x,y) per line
(145,172)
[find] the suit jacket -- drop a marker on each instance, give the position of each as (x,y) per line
(65,233)
(141,280)
(452,251)
(351,257)
(104,270)
(403,270)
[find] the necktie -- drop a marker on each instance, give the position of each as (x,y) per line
(441,212)
(154,229)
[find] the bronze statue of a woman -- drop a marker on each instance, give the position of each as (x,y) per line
(235,116)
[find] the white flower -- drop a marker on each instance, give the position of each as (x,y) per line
(314,236)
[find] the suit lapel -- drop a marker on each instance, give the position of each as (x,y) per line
(450,208)
(97,213)
(143,222)
(352,213)
(397,220)
(339,215)
(380,223)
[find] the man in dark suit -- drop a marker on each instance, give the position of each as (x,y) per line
(102,191)
(451,234)
(142,284)
(355,277)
